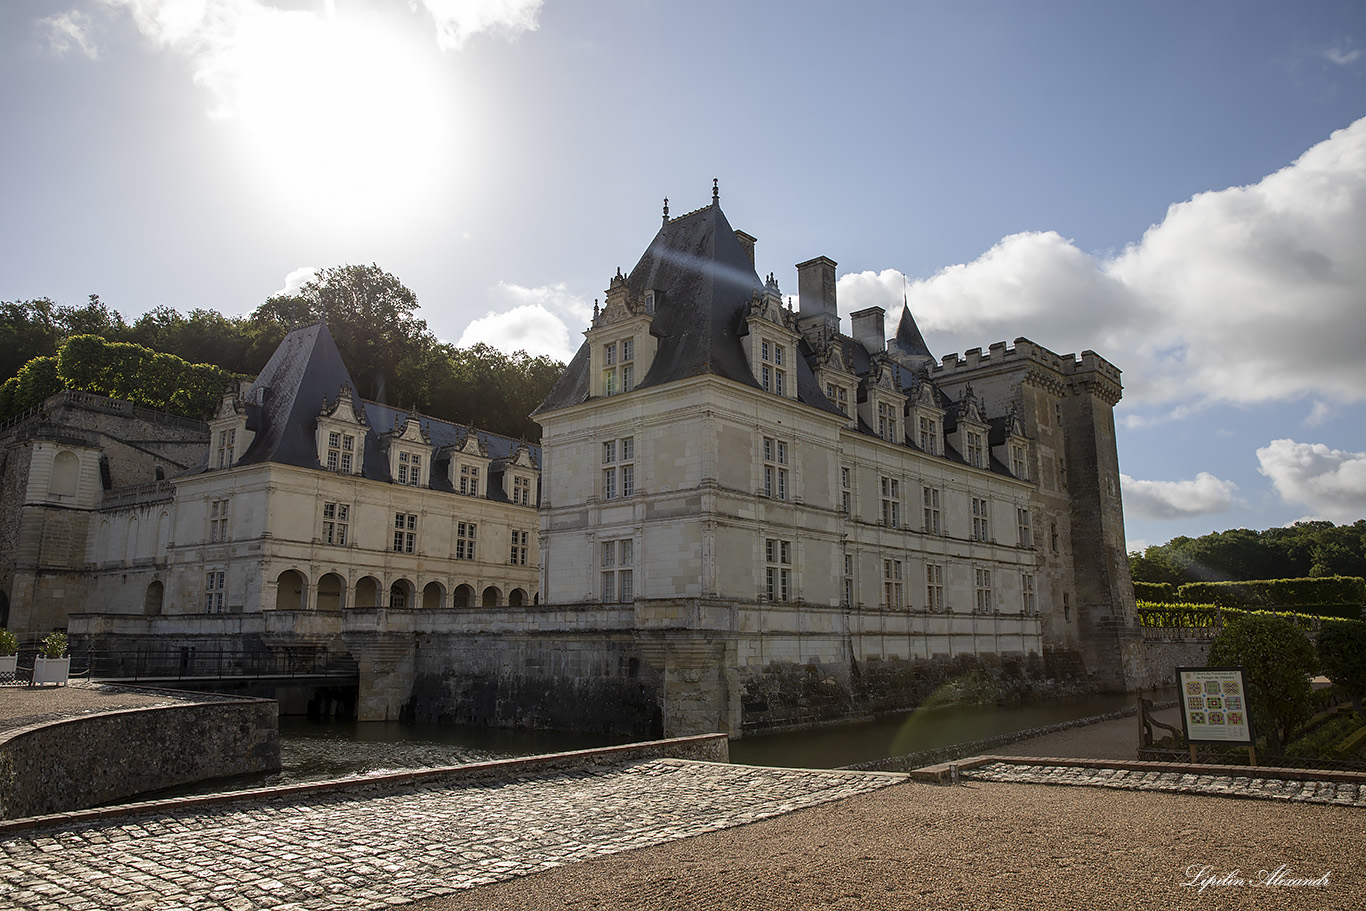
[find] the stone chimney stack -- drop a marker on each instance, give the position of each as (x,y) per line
(869,329)
(818,319)
(748,243)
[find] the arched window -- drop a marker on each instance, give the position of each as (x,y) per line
(66,475)
(289,591)
(433,595)
(463,596)
(330,588)
(152,601)
(491,596)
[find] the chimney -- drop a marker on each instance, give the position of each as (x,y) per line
(869,330)
(816,288)
(748,243)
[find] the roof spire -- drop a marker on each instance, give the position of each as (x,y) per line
(715,192)
(666,210)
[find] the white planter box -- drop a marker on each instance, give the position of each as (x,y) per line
(51,670)
(8,665)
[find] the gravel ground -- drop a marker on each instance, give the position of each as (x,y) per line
(22,705)
(979,846)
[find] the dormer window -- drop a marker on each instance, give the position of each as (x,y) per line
(773,375)
(649,302)
(839,396)
(227,446)
(619,369)
(1018,462)
(410,469)
(975,449)
(341,449)
(886,421)
(469,480)
(929,435)
(521,490)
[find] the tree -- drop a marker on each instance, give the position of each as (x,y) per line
(1342,652)
(1277,660)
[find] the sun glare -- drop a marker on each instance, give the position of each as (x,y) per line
(346,119)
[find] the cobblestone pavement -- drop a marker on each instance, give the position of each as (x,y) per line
(349,851)
(1302,791)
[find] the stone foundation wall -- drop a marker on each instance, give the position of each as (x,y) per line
(1164,656)
(94,759)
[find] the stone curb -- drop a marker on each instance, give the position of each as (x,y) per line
(941,771)
(498,770)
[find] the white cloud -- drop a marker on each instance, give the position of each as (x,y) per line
(1331,482)
(536,321)
(70,31)
(1240,295)
(1177,499)
(1341,54)
(297,279)
(459,20)
(1321,413)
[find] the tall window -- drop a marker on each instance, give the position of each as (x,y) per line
(773,370)
(839,396)
(1067,607)
(405,532)
(341,449)
(778,569)
(336,523)
(227,443)
(981,520)
(521,490)
(1062,473)
(519,548)
(410,469)
(469,480)
(848,580)
(1053,536)
(891,502)
(934,587)
(929,435)
(619,470)
(846,492)
(933,520)
(218,521)
(1019,465)
(618,570)
(1022,525)
(775,469)
(214,587)
(982,589)
(892,594)
(886,421)
(975,454)
(465,540)
(1029,601)
(619,369)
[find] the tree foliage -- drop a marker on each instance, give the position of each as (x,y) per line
(1318,549)
(1277,660)
(1342,653)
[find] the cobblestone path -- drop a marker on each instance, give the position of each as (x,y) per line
(350,851)
(1303,791)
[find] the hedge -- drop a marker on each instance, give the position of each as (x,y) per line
(1302,593)
(1158,592)
(1184,614)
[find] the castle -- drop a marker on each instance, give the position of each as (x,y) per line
(739,518)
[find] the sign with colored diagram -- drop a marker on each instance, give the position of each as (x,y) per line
(1214,705)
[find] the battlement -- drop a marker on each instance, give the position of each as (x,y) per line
(1024,353)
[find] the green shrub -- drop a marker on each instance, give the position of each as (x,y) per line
(1277,660)
(1156,592)
(54,645)
(9,645)
(1302,593)
(1342,656)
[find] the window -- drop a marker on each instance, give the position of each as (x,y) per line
(846,492)
(619,475)
(891,502)
(981,520)
(618,570)
(929,435)
(886,421)
(1062,473)
(1018,463)
(521,490)
(336,523)
(778,569)
(469,480)
(983,591)
(405,532)
(1029,601)
(772,375)
(775,469)
(848,580)
(892,595)
(341,448)
(649,302)
(619,373)
(214,585)
(1022,524)
(975,457)
(464,540)
(934,587)
(839,396)
(933,522)
(1067,607)
(1053,536)
(227,443)
(410,469)
(519,548)
(218,521)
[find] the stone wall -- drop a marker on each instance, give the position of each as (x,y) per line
(1163,656)
(95,759)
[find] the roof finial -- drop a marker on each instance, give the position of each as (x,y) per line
(715,192)
(666,210)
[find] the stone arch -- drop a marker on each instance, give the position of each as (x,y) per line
(331,592)
(433,596)
(290,589)
(463,596)
(367,593)
(401,595)
(517,598)
(66,474)
(154,599)
(491,597)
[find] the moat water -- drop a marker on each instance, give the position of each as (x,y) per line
(322,750)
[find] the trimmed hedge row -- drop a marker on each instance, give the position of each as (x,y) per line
(1184,614)
(1334,590)
(1158,592)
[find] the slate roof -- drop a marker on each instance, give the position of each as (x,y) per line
(307,369)
(908,338)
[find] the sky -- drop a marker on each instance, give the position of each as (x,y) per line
(1179,187)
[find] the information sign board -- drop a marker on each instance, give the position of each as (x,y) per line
(1214,705)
